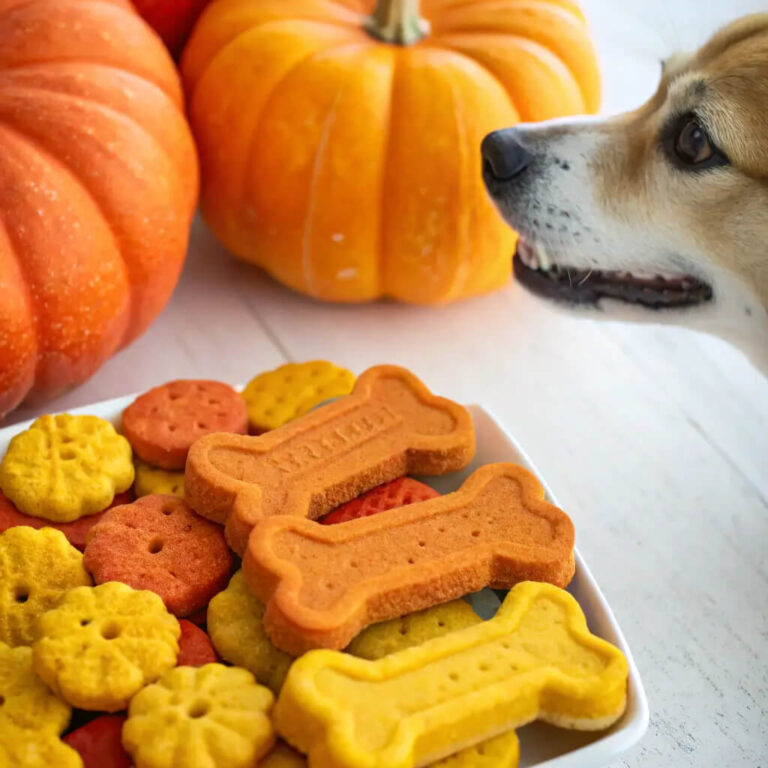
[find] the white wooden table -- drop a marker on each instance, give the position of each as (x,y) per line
(654,439)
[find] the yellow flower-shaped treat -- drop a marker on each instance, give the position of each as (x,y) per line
(24,748)
(25,700)
(236,630)
(414,629)
(31,717)
(64,467)
(276,397)
(103,644)
(151,480)
(200,717)
(36,568)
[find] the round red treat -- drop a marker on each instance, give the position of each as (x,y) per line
(163,423)
(75,531)
(396,493)
(99,743)
(159,543)
(195,647)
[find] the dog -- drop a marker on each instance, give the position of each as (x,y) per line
(664,208)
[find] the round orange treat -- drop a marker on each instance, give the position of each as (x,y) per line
(162,423)
(159,543)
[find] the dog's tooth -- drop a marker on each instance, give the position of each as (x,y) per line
(545,262)
(527,254)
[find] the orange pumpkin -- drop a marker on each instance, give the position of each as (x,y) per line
(339,143)
(98,183)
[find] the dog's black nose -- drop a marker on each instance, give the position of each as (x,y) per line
(504,156)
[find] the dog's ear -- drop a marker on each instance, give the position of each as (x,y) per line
(675,64)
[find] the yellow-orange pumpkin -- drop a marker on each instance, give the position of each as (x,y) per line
(98,183)
(346,163)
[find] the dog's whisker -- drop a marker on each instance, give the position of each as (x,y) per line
(585,278)
(570,279)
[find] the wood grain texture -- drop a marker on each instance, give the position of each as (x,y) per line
(654,439)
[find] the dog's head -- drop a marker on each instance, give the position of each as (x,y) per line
(665,207)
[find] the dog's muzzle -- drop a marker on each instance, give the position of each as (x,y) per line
(504,157)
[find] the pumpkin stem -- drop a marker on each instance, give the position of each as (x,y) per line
(397,21)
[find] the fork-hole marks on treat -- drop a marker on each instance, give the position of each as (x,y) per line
(65,467)
(159,543)
(535,659)
(162,423)
(323,584)
(396,493)
(276,397)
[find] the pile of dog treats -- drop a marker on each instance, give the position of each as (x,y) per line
(236,580)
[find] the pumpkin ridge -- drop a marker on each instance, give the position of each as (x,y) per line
(381,288)
(34,323)
(56,162)
(445,42)
(532,46)
(447,46)
(460,275)
(224,45)
(265,110)
(248,31)
(176,97)
(551,8)
(322,146)
(94,103)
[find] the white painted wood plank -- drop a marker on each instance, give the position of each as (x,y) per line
(721,397)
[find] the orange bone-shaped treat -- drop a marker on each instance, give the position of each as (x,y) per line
(324,584)
(391,425)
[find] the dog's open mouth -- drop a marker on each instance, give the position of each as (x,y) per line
(589,286)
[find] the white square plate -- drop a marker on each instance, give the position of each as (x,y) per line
(541,745)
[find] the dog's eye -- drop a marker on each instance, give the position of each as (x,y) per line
(688,146)
(692,144)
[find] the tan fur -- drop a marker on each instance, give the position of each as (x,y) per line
(725,215)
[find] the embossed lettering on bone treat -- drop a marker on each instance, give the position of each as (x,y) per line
(389,426)
(324,584)
(536,659)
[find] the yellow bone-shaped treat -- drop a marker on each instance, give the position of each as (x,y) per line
(391,425)
(535,659)
(500,752)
